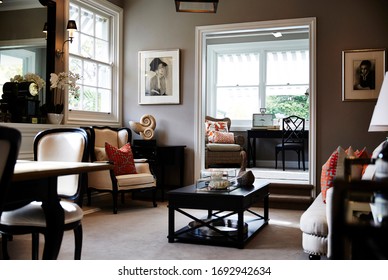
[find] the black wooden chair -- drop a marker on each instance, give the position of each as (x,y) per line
(292,140)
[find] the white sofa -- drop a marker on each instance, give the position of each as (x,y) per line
(315,222)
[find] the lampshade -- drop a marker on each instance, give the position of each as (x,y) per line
(199,6)
(71,27)
(379,120)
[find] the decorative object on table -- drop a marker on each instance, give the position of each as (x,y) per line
(216,179)
(59,83)
(145,128)
(245,178)
(362,74)
(20,99)
(159,77)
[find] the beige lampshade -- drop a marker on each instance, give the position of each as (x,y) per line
(379,120)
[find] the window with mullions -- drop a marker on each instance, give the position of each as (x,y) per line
(248,77)
(286,91)
(93,55)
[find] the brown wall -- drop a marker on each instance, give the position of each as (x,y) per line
(341,25)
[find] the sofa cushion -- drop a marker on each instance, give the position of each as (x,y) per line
(211,126)
(333,168)
(122,159)
(223,137)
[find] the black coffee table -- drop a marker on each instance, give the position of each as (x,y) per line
(227,222)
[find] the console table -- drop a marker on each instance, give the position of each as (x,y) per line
(253,134)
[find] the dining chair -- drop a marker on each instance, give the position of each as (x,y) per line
(58,144)
(292,139)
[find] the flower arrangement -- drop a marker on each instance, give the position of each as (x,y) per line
(37,83)
(59,82)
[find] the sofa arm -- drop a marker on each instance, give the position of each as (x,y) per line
(329,218)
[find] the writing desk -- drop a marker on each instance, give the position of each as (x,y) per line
(253,134)
(37,180)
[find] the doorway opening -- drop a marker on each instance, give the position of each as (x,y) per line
(249,33)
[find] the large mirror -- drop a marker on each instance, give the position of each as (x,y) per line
(24,47)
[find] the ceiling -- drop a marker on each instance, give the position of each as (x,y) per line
(19,4)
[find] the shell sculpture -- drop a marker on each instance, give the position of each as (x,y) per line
(145,127)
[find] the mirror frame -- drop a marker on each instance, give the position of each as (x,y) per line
(50,50)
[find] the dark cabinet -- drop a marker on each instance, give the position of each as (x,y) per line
(166,162)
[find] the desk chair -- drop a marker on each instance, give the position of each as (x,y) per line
(59,144)
(292,140)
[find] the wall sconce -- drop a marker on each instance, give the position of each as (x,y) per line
(45,29)
(71,27)
(199,6)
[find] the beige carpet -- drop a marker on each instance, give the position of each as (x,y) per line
(139,232)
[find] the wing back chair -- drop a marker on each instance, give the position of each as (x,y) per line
(128,175)
(223,148)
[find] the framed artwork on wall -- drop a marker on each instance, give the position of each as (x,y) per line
(159,77)
(362,74)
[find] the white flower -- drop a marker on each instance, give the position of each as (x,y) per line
(64,79)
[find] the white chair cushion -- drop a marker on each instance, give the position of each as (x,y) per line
(134,179)
(215,147)
(32,215)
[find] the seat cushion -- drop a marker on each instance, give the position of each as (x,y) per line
(216,147)
(130,180)
(32,215)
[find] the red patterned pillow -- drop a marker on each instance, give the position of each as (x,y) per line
(332,169)
(122,159)
(223,137)
(212,126)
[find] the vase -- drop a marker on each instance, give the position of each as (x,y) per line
(54,118)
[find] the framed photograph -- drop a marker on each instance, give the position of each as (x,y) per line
(159,77)
(362,74)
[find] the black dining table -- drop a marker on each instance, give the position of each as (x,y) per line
(37,181)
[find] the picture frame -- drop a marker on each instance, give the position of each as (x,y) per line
(159,76)
(362,74)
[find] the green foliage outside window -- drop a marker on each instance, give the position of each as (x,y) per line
(288,105)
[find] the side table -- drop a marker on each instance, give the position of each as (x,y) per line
(163,161)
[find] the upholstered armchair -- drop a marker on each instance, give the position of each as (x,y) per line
(113,144)
(223,148)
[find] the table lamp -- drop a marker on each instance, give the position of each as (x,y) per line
(379,122)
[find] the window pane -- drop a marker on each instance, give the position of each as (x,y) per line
(87,22)
(90,73)
(237,103)
(287,67)
(238,69)
(102,50)
(87,46)
(105,101)
(105,77)
(102,27)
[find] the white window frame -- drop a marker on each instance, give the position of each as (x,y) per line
(262,48)
(113,118)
